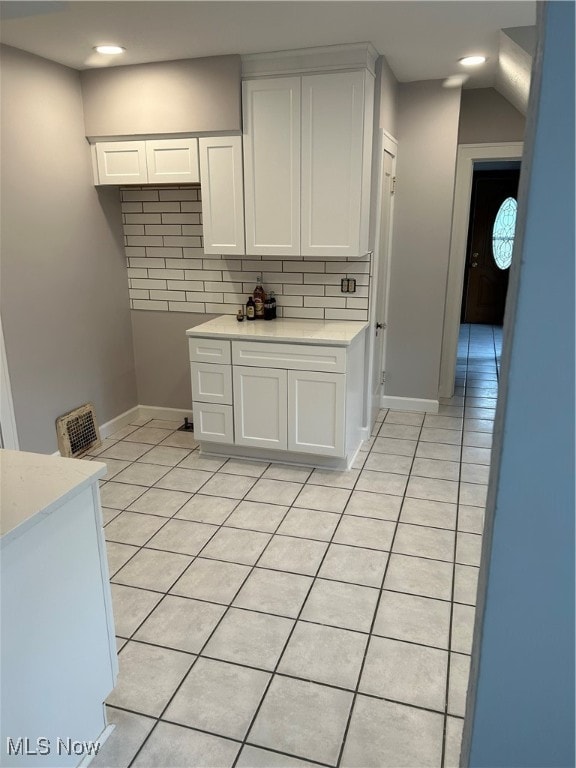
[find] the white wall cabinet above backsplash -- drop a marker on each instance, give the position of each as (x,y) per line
(307,159)
(155,161)
(222,194)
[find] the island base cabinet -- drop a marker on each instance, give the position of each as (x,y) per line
(58,650)
(316,408)
(260,398)
(213,423)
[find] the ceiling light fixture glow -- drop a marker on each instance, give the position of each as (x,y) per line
(472,61)
(109,50)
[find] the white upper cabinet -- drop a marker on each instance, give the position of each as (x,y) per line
(307,152)
(156,161)
(222,194)
(335,183)
(271,117)
(121,162)
(172,161)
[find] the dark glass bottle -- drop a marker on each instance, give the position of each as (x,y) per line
(259,297)
(272,305)
(250,309)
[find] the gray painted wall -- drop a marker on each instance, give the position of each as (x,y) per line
(486,116)
(386,92)
(524,647)
(161,355)
(64,296)
(428,134)
(186,96)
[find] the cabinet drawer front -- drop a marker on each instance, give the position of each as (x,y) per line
(213,422)
(211,383)
(297,357)
(209,351)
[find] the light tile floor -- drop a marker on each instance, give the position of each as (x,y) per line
(272,615)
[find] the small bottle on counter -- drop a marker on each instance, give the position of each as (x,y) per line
(240,315)
(259,297)
(250,309)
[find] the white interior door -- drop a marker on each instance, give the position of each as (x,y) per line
(382,278)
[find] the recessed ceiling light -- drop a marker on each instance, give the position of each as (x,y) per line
(472,61)
(109,50)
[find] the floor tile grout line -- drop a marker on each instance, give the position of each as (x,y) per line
(452,592)
(279,615)
(371,633)
(361,468)
(302,606)
(214,629)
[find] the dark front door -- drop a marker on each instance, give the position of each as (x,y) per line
(490,238)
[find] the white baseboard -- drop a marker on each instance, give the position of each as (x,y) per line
(143,412)
(409,404)
(118,422)
(169,414)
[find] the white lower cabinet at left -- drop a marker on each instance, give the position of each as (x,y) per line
(58,652)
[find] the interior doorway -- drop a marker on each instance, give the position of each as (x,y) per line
(470,157)
(491,231)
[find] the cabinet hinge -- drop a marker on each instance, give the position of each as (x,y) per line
(393,186)
(383,378)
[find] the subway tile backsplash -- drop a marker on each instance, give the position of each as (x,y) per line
(169,271)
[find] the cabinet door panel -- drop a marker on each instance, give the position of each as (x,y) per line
(222,194)
(316,412)
(211,383)
(121,162)
(332,163)
(172,160)
(260,407)
(271,114)
(213,422)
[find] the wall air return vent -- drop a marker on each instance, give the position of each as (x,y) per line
(77,431)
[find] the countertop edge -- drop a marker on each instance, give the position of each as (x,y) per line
(200,331)
(38,515)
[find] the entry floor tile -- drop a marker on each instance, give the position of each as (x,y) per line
(324,654)
(148,677)
(229,695)
(172,746)
(275,615)
(246,637)
(406,672)
(304,719)
(384,734)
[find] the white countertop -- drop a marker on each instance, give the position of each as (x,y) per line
(340,333)
(33,484)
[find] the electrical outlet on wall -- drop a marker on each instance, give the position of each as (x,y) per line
(348,285)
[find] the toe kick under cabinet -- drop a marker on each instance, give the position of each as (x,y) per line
(278,400)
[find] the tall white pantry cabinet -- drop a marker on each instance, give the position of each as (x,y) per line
(307,156)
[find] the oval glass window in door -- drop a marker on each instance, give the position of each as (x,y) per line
(503,233)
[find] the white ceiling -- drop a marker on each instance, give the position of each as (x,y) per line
(420,40)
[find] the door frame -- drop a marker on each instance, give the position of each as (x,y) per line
(8,430)
(467,155)
(386,143)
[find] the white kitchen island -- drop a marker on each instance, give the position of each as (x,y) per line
(58,653)
(282,390)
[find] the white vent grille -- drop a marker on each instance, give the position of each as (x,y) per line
(77,431)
